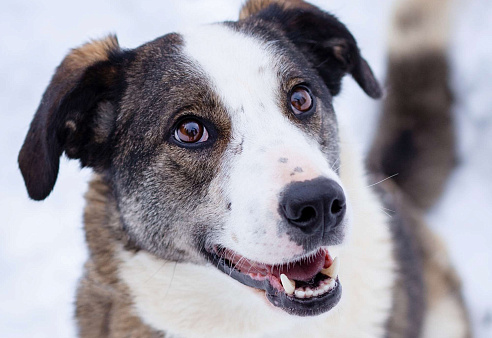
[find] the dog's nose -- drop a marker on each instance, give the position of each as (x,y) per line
(315,206)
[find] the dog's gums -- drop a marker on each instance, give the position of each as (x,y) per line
(227,187)
(305,287)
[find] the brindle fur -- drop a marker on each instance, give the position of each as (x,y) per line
(104,307)
(417,113)
(415,140)
(112,108)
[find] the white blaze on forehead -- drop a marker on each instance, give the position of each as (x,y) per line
(246,73)
(233,61)
(162,291)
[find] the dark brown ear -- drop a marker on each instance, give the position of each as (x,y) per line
(82,89)
(323,40)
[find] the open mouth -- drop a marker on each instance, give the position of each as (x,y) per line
(306,287)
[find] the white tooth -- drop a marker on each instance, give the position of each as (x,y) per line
(309,293)
(289,285)
(326,287)
(332,271)
(300,294)
(316,292)
(331,285)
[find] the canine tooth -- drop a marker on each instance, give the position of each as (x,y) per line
(300,294)
(332,271)
(289,285)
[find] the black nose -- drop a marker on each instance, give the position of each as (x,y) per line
(315,206)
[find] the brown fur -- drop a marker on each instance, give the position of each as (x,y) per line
(415,140)
(409,303)
(91,52)
(254,6)
(104,307)
(416,115)
(39,156)
(441,279)
(433,269)
(415,137)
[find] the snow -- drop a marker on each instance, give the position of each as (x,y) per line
(42,246)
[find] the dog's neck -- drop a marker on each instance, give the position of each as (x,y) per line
(103,228)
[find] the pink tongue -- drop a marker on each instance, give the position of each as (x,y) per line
(302,271)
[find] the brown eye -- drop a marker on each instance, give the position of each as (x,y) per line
(191,131)
(301,100)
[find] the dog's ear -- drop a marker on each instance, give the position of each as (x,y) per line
(322,39)
(75,115)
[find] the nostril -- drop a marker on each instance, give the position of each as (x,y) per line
(312,207)
(308,213)
(336,206)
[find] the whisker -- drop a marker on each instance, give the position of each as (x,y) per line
(156,272)
(172,278)
(334,164)
(337,168)
(386,213)
(387,178)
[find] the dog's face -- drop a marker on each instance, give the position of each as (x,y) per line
(220,144)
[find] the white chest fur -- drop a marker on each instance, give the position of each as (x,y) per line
(199,301)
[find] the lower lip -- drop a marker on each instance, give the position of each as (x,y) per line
(311,306)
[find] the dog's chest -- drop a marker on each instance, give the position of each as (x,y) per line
(200,301)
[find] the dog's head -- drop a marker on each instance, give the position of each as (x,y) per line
(220,144)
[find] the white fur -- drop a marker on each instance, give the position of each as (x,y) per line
(445,318)
(256,176)
(419,26)
(200,301)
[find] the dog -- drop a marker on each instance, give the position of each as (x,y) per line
(226,199)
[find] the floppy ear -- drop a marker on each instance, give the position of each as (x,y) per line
(74,115)
(323,40)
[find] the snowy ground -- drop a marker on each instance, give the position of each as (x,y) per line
(41,243)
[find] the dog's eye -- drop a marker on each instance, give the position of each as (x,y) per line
(191,131)
(301,100)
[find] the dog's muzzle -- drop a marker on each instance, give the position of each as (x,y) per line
(313,212)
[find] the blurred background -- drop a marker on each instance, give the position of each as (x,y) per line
(42,247)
